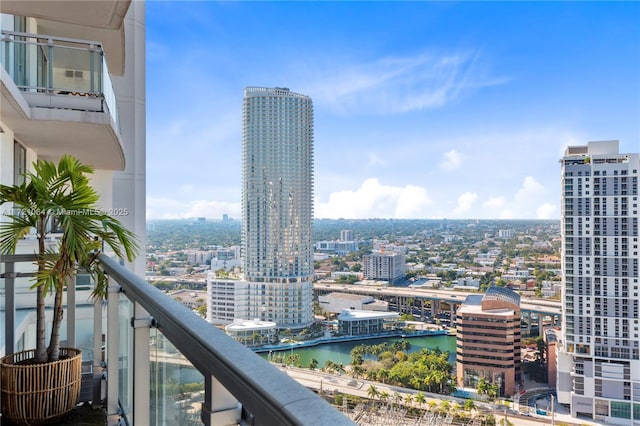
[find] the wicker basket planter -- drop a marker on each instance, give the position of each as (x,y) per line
(34,394)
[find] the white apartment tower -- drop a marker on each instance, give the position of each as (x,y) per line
(599,352)
(384,266)
(277,205)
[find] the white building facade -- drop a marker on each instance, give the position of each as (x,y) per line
(277,205)
(599,353)
(384,266)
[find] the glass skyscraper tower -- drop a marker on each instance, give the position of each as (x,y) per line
(599,353)
(277,205)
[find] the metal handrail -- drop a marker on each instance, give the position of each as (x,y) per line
(267,395)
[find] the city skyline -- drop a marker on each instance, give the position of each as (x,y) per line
(423,110)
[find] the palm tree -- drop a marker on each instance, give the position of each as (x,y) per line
(397,398)
(384,396)
(432,405)
(482,386)
(382,375)
(373,392)
(408,399)
(357,371)
(455,408)
(420,398)
(329,366)
(469,405)
(444,405)
(61,194)
(313,364)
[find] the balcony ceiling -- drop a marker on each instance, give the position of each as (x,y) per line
(89,136)
(96,13)
(98,20)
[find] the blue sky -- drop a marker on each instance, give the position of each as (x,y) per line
(422,109)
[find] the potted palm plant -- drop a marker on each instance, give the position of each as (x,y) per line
(43,384)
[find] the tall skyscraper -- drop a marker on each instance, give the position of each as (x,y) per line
(277,205)
(599,353)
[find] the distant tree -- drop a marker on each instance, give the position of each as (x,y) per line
(482,386)
(469,405)
(202,311)
(408,399)
(373,392)
(541,349)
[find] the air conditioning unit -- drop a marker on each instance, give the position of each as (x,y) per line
(74,74)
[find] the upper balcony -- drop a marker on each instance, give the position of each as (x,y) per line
(57,97)
(97,20)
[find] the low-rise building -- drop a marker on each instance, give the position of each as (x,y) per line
(551,338)
(340,248)
(192,299)
(252,332)
(337,302)
(467,283)
(356,323)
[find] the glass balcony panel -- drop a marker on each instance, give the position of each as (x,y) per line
(125,356)
(75,71)
(177,388)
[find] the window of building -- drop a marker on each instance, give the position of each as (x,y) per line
(621,410)
(19,163)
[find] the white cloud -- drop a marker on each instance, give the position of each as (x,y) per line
(530,201)
(167,208)
(451,160)
(374,160)
(465,202)
(392,85)
(546,211)
(531,190)
(494,203)
(372,199)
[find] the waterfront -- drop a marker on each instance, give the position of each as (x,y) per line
(340,352)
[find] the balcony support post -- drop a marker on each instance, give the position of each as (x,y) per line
(220,407)
(71,311)
(10,308)
(113,296)
(141,323)
(97,354)
(50,64)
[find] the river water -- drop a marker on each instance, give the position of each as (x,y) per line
(340,352)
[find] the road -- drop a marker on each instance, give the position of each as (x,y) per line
(536,306)
(327,382)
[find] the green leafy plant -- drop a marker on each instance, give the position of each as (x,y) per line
(61,194)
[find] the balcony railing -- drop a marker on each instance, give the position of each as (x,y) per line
(165,365)
(57,72)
